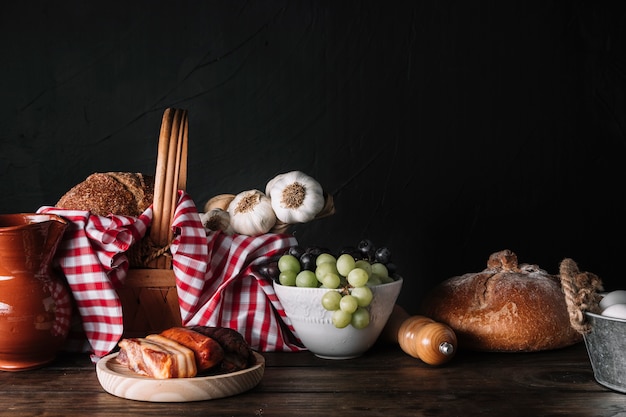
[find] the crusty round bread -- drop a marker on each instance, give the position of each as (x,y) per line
(505,308)
(121,193)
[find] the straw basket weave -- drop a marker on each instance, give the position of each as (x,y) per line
(149,297)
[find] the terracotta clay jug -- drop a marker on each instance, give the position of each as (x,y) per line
(35,304)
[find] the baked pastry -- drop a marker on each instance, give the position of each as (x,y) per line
(120,193)
(505,308)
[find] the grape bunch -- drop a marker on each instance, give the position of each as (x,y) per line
(348,276)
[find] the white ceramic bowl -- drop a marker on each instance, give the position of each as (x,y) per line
(314,327)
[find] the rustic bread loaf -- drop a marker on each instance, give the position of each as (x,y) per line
(121,193)
(505,308)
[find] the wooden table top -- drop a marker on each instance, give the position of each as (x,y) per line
(384,382)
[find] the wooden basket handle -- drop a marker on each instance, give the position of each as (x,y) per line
(171,173)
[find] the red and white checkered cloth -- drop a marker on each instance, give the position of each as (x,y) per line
(216,276)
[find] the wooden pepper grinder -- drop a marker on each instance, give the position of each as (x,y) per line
(421,337)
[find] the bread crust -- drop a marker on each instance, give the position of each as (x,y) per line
(119,193)
(505,308)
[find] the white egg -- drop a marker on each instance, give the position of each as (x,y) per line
(614,297)
(617,311)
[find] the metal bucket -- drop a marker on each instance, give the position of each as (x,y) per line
(606,346)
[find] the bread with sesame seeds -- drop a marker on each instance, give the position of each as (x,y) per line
(120,193)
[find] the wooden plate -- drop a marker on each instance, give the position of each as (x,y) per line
(122,382)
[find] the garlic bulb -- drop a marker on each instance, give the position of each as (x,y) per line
(217,219)
(295,196)
(251,213)
(219,201)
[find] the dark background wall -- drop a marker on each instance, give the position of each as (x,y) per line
(446,130)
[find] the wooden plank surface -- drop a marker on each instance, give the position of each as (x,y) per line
(384,382)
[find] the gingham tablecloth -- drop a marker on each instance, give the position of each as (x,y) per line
(216,276)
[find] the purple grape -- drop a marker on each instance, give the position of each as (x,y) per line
(269,270)
(273,271)
(367,249)
(351,250)
(307,261)
(317,250)
(296,251)
(383,255)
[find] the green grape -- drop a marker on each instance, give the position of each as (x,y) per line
(360,318)
(380,269)
(363,295)
(331,280)
(330,300)
(325,268)
(348,303)
(386,280)
(374,280)
(324,257)
(341,318)
(306,279)
(358,277)
(289,263)
(364,264)
(288,278)
(345,264)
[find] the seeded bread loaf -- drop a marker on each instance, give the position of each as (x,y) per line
(121,193)
(505,308)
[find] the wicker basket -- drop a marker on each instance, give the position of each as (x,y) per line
(149,297)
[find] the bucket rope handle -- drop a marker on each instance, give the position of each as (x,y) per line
(581,294)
